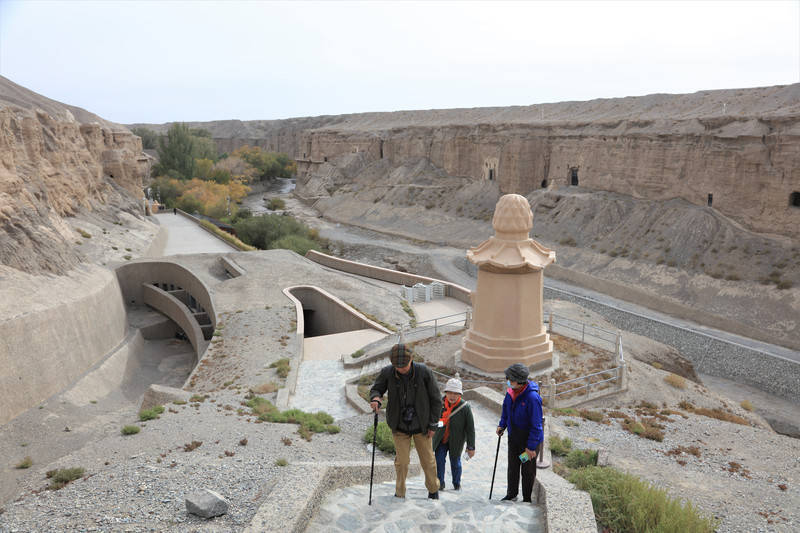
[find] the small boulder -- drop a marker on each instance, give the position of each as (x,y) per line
(206,503)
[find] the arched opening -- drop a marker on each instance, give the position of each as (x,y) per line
(544,184)
(491,174)
(710,199)
(573,176)
(794,199)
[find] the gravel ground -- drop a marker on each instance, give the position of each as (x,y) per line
(745,500)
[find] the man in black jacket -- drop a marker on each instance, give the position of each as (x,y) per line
(412,411)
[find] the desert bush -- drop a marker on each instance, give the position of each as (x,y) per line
(192,445)
(130,430)
(560,446)
(265,388)
(565,411)
(273,204)
(746,405)
(719,414)
(581,458)
(358,353)
(675,380)
(150,414)
(594,416)
(25,463)
(60,478)
(320,422)
(656,364)
(623,502)
(383,440)
(281,462)
(296,243)
(281,366)
(84,234)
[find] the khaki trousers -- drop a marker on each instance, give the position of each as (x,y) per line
(423,443)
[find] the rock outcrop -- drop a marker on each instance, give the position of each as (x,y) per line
(56,160)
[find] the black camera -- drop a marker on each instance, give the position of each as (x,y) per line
(408,413)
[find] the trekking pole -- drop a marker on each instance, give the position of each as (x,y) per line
(491,488)
(372,470)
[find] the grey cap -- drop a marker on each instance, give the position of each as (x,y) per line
(517,372)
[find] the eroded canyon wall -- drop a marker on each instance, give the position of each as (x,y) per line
(742,146)
(51,166)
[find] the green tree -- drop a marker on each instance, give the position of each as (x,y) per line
(149,137)
(176,152)
(203,168)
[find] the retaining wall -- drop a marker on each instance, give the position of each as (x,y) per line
(384,274)
(50,345)
(709,355)
(176,310)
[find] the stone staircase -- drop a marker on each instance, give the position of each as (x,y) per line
(468,509)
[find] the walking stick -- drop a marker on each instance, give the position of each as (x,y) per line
(500,436)
(372,470)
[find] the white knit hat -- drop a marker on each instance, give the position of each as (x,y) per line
(453,385)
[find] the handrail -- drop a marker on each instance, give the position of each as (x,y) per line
(587,376)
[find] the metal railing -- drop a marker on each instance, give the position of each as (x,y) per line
(589,383)
(575,329)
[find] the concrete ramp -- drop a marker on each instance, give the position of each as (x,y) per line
(334,346)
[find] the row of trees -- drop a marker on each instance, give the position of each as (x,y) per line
(192,175)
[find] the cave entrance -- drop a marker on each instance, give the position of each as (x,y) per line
(544,184)
(794,199)
(573,176)
(710,199)
(491,174)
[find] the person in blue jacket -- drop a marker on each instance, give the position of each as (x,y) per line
(522,415)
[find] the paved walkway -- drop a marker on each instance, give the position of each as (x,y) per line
(186,237)
(466,510)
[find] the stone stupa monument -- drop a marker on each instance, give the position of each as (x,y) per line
(507,325)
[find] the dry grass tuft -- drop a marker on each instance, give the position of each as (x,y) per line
(265,388)
(675,380)
(746,405)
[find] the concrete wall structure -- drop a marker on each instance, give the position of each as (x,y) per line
(330,314)
(132,276)
(384,274)
(176,310)
(51,344)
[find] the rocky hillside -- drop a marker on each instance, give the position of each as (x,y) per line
(56,161)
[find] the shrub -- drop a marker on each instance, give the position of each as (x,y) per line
(130,430)
(150,414)
(265,388)
(686,406)
(60,478)
(281,366)
(719,414)
(320,422)
(581,458)
(281,462)
(357,353)
(565,411)
(594,416)
(383,440)
(25,463)
(273,204)
(623,502)
(656,364)
(84,234)
(192,445)
(746,405)
(784,284)
(675,380)
(560,446)
(296,243)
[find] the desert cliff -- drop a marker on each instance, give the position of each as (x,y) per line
(55,161)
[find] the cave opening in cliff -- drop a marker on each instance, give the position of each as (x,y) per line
(381,149)
(794,199)
(544,184)
(573,176)
(491,174)
(710,199)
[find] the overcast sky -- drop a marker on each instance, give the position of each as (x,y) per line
(147,61)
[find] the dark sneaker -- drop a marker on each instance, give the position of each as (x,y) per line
(433,495)
(456,487)
(508,498)
(526,501)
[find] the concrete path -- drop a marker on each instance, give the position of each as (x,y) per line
(186,237)
(466,510)
(334,346)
